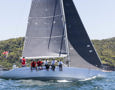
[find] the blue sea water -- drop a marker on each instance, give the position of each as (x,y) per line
(99,83)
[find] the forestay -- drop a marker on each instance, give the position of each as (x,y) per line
(45,37)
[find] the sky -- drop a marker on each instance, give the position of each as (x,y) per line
(98,17)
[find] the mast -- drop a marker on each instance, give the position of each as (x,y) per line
(65,29)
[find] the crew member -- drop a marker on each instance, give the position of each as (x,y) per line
(23,62)
(39,64)
(47,65)
(33,65)
(53,65)
(60,65)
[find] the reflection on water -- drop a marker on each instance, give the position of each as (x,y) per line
(96,83)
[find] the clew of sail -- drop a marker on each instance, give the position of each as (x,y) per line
(45,36)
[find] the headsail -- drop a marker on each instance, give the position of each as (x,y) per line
(45,36)
(82,52)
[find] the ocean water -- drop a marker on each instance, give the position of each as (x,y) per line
(98,83)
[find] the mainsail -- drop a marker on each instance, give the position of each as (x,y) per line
(82,52)
(45,37)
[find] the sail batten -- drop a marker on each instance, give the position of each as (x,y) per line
(46,37)
(45,17)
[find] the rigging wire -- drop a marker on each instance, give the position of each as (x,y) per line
(52,23)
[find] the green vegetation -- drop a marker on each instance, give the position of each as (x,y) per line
(14,46)
(105,49)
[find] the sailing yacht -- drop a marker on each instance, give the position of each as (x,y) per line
(55,30)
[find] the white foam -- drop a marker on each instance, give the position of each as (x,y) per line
(86,79)
(63,81)
(33,82)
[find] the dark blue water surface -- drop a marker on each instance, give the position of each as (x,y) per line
(100,83)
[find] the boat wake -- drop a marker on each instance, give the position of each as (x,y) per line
(63,81)
(87,79)
(94,77)
(33,82)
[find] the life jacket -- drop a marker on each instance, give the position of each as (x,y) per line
(33,64)
(39,63)
(23,61)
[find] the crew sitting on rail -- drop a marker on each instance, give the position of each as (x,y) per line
(39,64)
(53,65)
(60,63)
(23,61)
(33,65)
(47,65)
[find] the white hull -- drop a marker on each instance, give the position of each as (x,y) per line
(68,73)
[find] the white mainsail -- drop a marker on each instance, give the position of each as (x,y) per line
(45,37)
